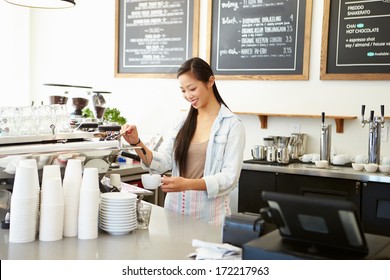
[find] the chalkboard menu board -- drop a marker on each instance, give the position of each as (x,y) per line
(260,39)
(154,37)
(356,40)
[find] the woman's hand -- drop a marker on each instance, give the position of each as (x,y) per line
(130,133)
(173,184)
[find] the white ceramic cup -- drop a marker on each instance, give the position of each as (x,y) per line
(151,181)
(340,159)
(305,158)
(315,157)
(359,159)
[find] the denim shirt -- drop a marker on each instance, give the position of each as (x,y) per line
(224,159)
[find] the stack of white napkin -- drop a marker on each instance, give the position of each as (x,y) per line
(215,251)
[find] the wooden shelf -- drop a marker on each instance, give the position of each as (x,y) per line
(263,117)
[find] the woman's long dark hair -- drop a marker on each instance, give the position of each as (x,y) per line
(202,72)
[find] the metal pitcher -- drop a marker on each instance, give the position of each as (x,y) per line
(258,152)
(271,154)
(283,155)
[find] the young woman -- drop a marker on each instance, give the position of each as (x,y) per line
(205,151)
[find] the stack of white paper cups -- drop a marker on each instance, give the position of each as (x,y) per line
(24,205)
(71,184)
(33,163)
(89,204)
(51,224)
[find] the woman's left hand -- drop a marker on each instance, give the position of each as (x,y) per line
(173,184)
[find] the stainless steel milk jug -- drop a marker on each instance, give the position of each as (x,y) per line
(282,155)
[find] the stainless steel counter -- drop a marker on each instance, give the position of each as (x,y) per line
(311,170)
(169,237)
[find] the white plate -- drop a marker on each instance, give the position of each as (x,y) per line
(118,196)
(126,222)
(117,206)
(119,201)
(118,232)
(118,227)
(117,216)
(113,217)
(117,209)
(126,214)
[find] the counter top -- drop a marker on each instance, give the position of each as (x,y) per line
(340,172)
(169,237)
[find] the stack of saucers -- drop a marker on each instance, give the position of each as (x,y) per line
(117,214)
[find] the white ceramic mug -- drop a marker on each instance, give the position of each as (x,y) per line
(360,159)
(151,181)
(305,158)
(340,159)
(315,157)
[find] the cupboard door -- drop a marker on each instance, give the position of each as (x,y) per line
(376,208)
(320,187)
(251,184)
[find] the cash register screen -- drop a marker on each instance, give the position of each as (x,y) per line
(319,221)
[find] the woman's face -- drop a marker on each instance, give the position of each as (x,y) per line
(194,91)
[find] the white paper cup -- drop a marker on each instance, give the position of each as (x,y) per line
(51,223)
(53,193)
(49,172)
(71,206)
(32,163)
(73,170)
(25,182)
(90,179)
(88,213)
(115,180)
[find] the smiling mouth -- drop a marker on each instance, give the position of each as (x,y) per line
(193,102)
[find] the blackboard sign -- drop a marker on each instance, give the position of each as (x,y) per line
(260,39)
(356,41)
(153,37)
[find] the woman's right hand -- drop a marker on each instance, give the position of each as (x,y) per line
(130,133)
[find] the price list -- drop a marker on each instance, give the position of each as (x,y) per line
(155,35)
(363,33)
(263,36)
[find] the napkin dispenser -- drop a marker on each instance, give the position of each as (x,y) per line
(241,228)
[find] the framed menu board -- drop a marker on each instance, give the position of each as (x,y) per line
(355,40)
(153,38)
(267,39)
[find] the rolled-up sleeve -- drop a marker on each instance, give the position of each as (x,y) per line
(226,160)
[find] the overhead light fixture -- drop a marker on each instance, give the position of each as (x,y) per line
(43,4)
